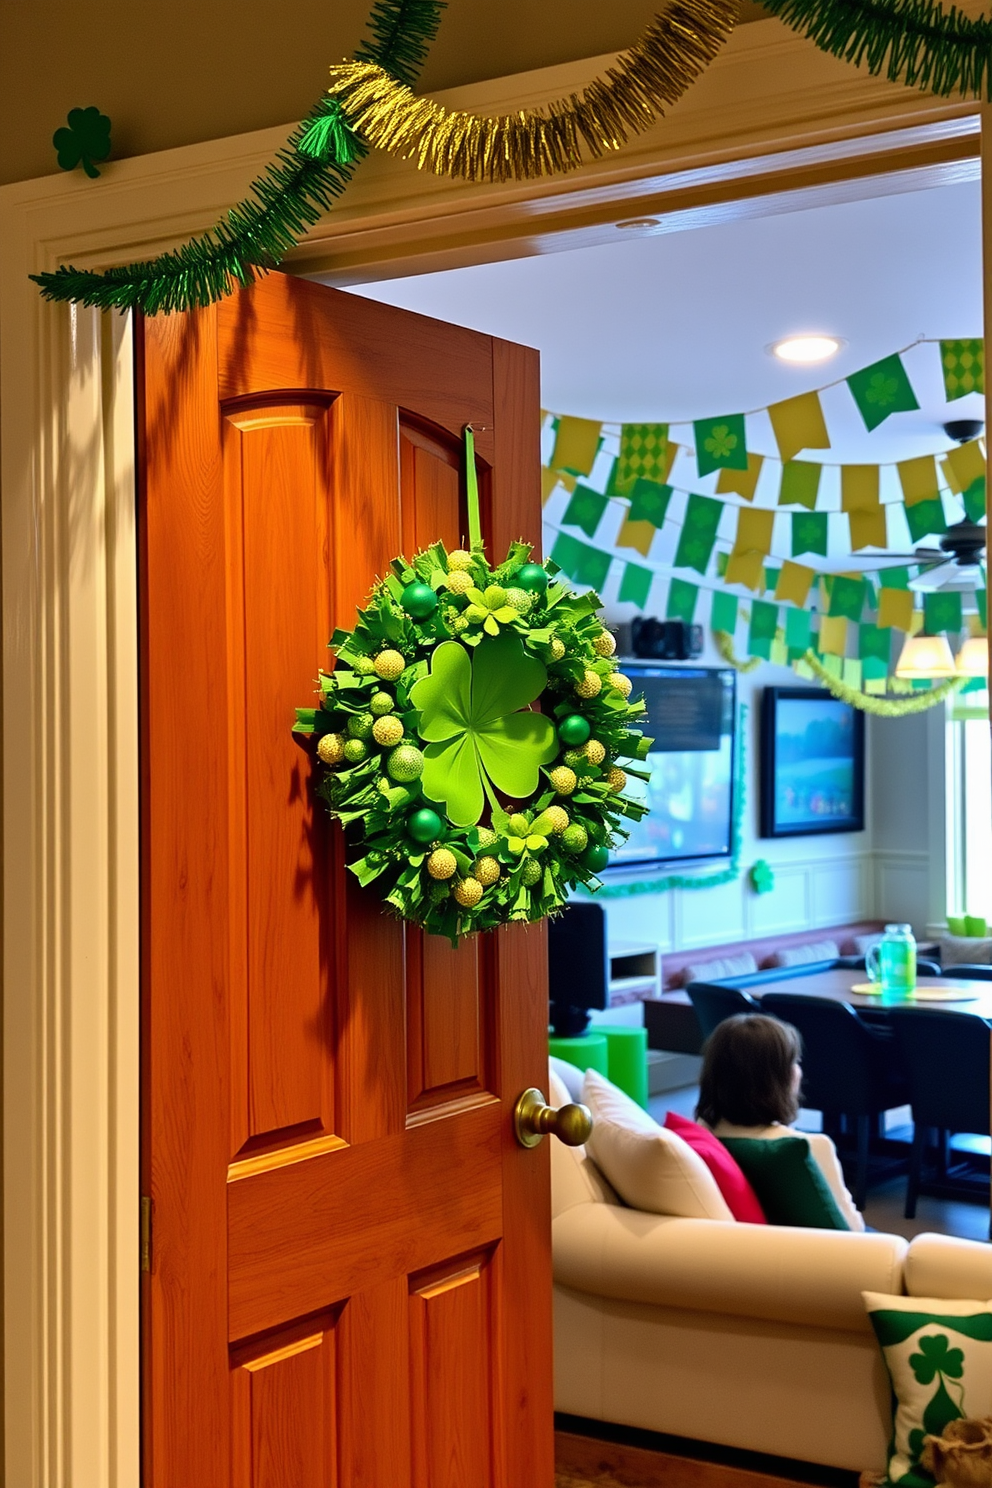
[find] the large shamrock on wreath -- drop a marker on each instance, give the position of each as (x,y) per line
(470,735)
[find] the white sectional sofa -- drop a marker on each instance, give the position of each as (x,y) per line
(751,1336)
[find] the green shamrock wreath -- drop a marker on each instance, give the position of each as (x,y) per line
(471,807)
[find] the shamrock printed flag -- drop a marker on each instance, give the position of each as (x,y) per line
(723,615)
(721,443)
(800,484)
(798,424)
(576,445)
(761,633)
(894,578)
(643,453)
(874,644)
(974,499)
(741,482)
(682,597)
(798,629)
(925,519)
(584,510)
(702,517)
(881,390)
(583,564)
(809,533)
(942,612)
(649,502)
(963,366)
(635,586)
(847,597)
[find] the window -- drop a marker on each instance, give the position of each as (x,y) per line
(969,809)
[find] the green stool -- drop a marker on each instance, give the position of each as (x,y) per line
(590,1051)
(627,1060)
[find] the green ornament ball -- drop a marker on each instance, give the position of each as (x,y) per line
(360,725)
(595,857)
(574,730)
(405,764)
(575,838)
(533,578)
(381,704)
(355,750)
(424,825)
(531,872)
(419,600)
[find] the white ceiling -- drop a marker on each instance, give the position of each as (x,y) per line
(674,326)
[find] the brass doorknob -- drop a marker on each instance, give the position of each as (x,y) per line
(533,1118)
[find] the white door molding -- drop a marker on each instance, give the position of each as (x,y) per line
(774,124)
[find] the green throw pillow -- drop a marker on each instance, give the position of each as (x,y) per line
(939,1357)
(787,1179)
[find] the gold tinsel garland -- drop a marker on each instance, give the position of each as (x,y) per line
(882,707)
(674,50)
(725,645)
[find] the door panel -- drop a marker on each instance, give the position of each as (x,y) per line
(351,1269)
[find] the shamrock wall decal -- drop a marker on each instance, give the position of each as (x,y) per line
(84,139)
(762,877)
(476,734)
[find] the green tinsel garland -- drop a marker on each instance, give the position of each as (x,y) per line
(916,42)
(881,707)
(309,173)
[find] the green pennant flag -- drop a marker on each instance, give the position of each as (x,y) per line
(643,453)
(649,502)
(894,578)
(722,563)
(721,443)
(974,500)
(847,597)
(723,615)
(798,627)
(941,612)
(874,643)
(963,366)
(809,533)
(702,517)
(982,597)
(584,510)
(771,577)
(882,389)
(761,632)
(925,519)
(682,597)
(583,564)
(635,586)
(800,483)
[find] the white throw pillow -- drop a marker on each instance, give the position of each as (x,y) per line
(725,966)
(569,1074)
(650,1167)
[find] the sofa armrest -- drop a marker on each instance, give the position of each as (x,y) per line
(942,1266)
(758,1271)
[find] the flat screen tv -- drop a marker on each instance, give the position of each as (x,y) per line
(691,715)
(812,763)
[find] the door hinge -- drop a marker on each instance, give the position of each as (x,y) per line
(146,1233)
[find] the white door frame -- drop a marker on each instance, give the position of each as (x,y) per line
(774,125)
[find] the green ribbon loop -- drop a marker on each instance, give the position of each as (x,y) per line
(472,490)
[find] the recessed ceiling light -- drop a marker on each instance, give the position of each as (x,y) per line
(631,222)
(806,348)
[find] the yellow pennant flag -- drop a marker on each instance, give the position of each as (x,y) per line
(918,479)
(876,686)
(741,482)
(778,651)
(895,607)
(868,529)
(639,535)
(747,569)
(858,487)
(549,482)
(798,424)
(965,464)
(754,531)
(576,445)
(794,583)
(851,675)
(833,635)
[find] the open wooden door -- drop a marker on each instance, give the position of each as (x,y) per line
(350,1281)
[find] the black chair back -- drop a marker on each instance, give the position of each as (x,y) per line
(947,1058)
(968,972)
(713,1003)
(839,1070)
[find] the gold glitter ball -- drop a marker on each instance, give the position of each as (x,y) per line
(381,704)
(458,581)
(563,779)
(621,684)
(519,600)
(468,892)
(441,863)
(590,685)
(364,666)
(459,559)
(557,648)
(487,871)
(558,817)
(616,778)
(595,752)
(487,837)
(605,643)
(531,872)
(387,731)
(573,757)
(389,665)
(330,749)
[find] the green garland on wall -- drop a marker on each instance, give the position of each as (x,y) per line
(726,875)
(307,176)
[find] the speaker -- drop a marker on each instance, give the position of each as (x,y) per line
(665,640)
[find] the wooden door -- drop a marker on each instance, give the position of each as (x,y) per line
(350,1263)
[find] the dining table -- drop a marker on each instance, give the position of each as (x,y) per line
(840,984)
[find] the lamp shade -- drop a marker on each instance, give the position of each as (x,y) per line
(973,658)
(924,657)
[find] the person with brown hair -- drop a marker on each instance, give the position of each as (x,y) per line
(750,1086)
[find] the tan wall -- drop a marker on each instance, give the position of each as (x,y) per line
(172,72)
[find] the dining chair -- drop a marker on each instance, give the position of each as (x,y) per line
(966,971)
(848,1067)
(947,1060)
(713,1003)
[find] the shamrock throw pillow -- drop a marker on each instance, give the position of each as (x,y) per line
(939,1356)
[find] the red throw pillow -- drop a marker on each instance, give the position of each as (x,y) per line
(742,1201)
